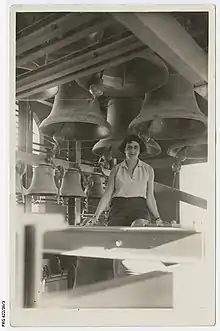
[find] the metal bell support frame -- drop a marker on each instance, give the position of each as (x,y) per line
(74,118)
(194,149)
(71,184)
(171,112)
(43,183)
(120,113)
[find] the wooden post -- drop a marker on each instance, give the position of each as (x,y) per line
(74,204)
(29,266)
(78,200)
(25,139)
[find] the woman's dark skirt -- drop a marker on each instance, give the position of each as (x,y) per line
(123,211)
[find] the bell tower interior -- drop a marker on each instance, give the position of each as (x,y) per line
(84,81)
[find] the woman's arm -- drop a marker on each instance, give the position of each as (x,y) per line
(106,198)
(151,202)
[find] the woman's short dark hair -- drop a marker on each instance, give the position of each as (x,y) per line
(129,139)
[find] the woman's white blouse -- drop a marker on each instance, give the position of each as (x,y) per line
(135,186)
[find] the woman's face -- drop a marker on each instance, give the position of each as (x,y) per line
(132,150)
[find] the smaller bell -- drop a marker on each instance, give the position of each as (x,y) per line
(193,149)
(97,189)
(152,148)
(43,182)
(71,185)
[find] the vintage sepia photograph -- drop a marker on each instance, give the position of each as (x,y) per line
(112,218)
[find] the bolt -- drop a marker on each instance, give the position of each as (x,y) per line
(53,26)
(118,243)
(95,54)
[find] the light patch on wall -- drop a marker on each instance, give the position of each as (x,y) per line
(193,180)
(36,140)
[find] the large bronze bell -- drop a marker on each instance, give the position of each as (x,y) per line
(71,184)
(136,77)
(193,149)
(171,112)
(74,118)
(97,189)
(43,182)
(120,113)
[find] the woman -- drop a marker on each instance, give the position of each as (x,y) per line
(130,188)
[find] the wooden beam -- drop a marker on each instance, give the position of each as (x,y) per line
(128,55)
(40,23)
(180,195)
(74,62)
(63,42)
(129,238)
(166,37)
(55,28)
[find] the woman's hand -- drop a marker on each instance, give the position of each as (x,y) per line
(90,221)
(159,222)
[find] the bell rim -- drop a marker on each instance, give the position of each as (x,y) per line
(189,143)
(120,155)
(51,129)
(92,120)
(135,125)
(195,117)
(173,153)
